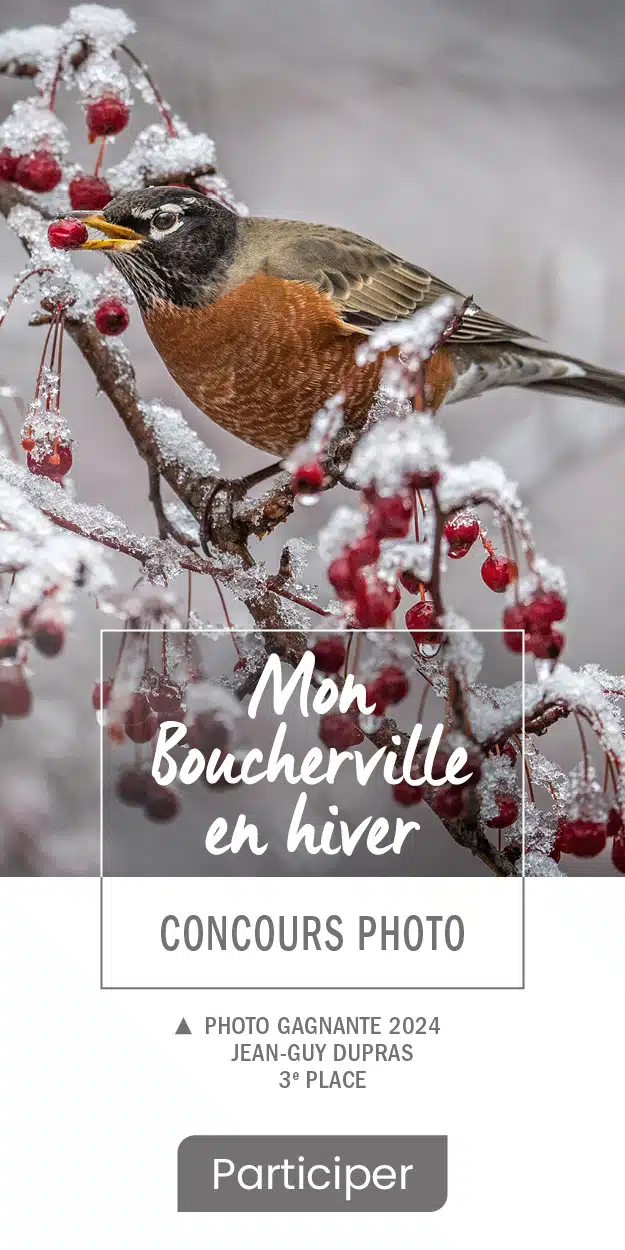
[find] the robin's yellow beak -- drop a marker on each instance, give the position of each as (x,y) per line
(120,238)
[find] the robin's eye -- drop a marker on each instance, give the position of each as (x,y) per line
(166,219)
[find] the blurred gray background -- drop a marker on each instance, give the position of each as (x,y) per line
(482,139)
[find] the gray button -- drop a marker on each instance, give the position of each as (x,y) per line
(312,1173)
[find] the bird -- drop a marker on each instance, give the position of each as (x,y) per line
(259,319)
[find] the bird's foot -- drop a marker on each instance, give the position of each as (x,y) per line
(218,527)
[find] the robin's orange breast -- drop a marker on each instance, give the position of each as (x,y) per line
(263,358)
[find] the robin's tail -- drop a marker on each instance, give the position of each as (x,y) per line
(578,378)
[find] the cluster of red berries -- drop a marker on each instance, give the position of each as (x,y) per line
(536,619)
(351,574)
(37,171)
(43,628)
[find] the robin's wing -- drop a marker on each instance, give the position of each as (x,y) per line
(367,284)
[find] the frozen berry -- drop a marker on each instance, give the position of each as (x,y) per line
(101,695)
(615,827)
(208,732)
(15,696)
(337,729)
(461,532)
(308,479)
(9,644)
(161,802)
(346,580)
(544,610)
(497,573)
(373,606)
(8,165)
(49,636)
(514,627)
(67,234)
(364,551)
(450,802)
(406,793)
(410,582)
(55,465)
(618,854)
(166,702)
(89,193)
(392,683)
(140,723)
(547,646)
(585,838)
(40,171)
(390,516)
(111,316)
(107,116)
(507,812)
(421,621)
(132,786)
(329,654)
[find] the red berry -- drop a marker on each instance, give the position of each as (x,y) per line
(392,684)
(346,580)
(40,171)
(390,516)
(543,611)
(507,814)
(15,696)
(87,191)
(308,479)
(329,655)
(107,116)
(406,793)
(450,802)
(49,636)
(111,316)
(513,627)
(615,827)
(497,572)
(395,597)
(166,702)
(140,723)
(55,465)
(337,729)
(618,854)
(373,606)
(376,700)
(9,645)
(410,582)
(67,233)
(461,532)
(363,551)
(546,646)
(161,802)
(585,838)
(208,731)
(101,695)
(8,165)
(132,786)
(421,620)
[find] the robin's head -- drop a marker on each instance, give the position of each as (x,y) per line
(168,242)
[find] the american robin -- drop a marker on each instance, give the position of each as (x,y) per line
(259,320)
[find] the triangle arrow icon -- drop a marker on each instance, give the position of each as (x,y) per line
(183,1027)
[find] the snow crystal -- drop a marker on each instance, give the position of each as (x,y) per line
(31,124)
(343,528)
(497,777)
(464,653)
(538,865)
(390,452)
(101,75)
(98,25)
(34,45)
(416,336)
(325,424)
(157,154)
(177,442)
